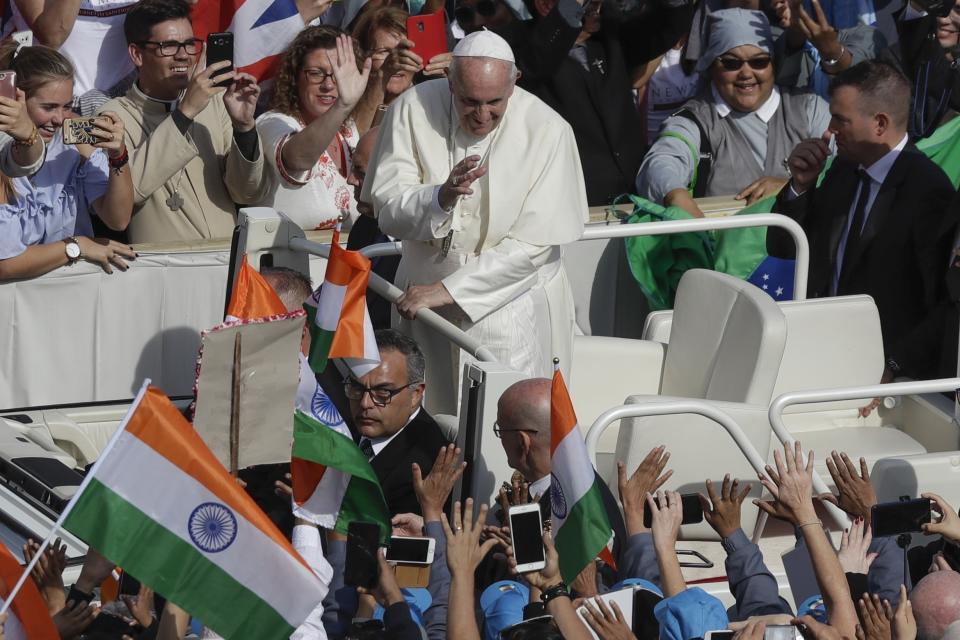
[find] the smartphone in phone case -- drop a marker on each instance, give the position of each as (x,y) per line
(79,131)
(219,49)
(428,34)
(8,84)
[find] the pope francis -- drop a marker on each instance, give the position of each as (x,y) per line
(482,183)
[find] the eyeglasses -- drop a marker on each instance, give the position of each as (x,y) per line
(730,63)
(318,76)
(466,14)
(170,48)
(499,431)
(381,396)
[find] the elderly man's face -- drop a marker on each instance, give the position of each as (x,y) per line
(481,88)
(743,77)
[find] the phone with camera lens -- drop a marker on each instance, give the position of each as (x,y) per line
(8,84)
(692,510)
(526,533)
(428,34)
(894,518)
(220,49)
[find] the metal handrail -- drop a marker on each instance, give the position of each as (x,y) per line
(668,407)
(801,266)
(386,289)
(775,414)
(382,249)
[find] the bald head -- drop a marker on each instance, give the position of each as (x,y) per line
(523,415)
(936,604)
(365,146)
(358,167)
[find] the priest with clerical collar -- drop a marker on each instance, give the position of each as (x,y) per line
(482,182)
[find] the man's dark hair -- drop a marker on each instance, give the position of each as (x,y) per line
(393,340)
(290,285)
(146,13)
(882,89)
(538,629)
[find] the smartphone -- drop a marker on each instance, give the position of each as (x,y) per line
(894,518)
(782,632)
(692,510)
(79,131)
(8,84)
(219,49)
(428,34)
(361,568)
(410,550)
(526,537)
(719,634)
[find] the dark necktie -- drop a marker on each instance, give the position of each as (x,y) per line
(859,213)
(367,447)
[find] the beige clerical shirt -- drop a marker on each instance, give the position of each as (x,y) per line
(204,166)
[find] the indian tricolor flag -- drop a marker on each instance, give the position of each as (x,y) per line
(581,528)
(252,296)
(337,314)
(27,617)
(158,503)
(333,482)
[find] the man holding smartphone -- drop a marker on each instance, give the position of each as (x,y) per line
(194,148)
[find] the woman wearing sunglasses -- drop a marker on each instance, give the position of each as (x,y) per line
(740,123)
(309,133)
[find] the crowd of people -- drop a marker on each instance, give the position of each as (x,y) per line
(484,161)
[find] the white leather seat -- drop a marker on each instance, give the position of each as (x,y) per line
(726,345)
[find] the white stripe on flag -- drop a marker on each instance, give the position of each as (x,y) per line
(330,305)
(12,628)
(254,560)
(323,506)
(264,41)
(569,470)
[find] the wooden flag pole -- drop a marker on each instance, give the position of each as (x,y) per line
(235,408)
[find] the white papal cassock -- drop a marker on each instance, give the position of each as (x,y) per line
(504,265)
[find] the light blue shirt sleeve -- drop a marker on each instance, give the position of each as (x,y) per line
(94,174)
(671,160)
(11,232)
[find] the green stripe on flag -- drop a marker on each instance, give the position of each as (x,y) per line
(320,339)
(172,567)
(363,500)
(583,535)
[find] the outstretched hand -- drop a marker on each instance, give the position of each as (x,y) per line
(948,524)
(351,81)
(48,572)
(648,477)
(432,492)
(665,519)
(856,493)
(458,183)
(722,512)
(854,553)
(464,551)
(791,484)
(547,577)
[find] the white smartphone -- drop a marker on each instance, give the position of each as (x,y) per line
(720,634)
(410,550)
(526,536)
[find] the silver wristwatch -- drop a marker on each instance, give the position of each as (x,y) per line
(72,248)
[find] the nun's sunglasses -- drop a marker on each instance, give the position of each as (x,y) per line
(467,14)
(734,64)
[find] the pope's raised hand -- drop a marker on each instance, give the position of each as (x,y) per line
(458,183)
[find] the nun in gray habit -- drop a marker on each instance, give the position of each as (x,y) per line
(747,124)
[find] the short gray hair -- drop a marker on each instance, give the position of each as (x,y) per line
(291,286)
(393,340)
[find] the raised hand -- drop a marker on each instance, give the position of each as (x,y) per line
(854,546)
(48,573)
(818,30)
(109,129)
(790,484)
(461,177)
(807,160)
(141,606)
(876,626)
(95,570)
(647,478)
(464,551)
(351,82)
(948,524)
(203,87)
(665,520)
(547,577)
(106,253)
(14,118)
(74,619)
(432,492)
(607,622)
(407,524)
(438,65)
(386,592)
(903,626)
(240,100)
(857,495)
(723,512)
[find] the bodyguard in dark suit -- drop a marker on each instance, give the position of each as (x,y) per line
(879,222)
(392,427)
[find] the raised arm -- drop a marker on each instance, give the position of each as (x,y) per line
(50,20)
(464,553)
(665,525)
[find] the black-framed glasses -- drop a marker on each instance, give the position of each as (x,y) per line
(381,396)
(732,63)
(499,431)
(170,48)
(318,76)
(466,14)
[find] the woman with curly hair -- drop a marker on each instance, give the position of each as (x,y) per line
(308,135)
